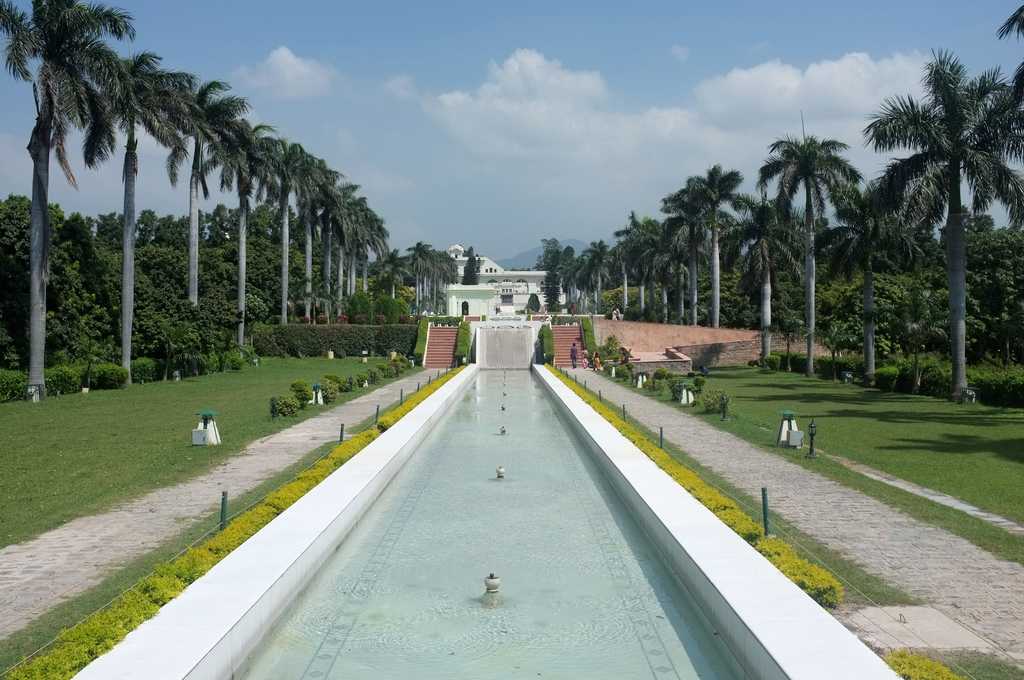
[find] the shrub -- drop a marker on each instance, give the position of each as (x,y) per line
(298,340)
(885,377)
(773,362)
(392,416)
(362,379)
(329,390)
(331,378)
(812,579)
(661,374)
(302,392)
(13,385)
(64,379)
(698,383)
(547,343)
(589,340)
(421,341)
(108,376)
(146,370)
(713,401)
(233,361)
(998,386)
(287,406)
(677,386)
(916,667)
(462,342)
(373,376)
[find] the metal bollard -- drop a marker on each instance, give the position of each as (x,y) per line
(661,437)
(341,434)
(223,509)
(623,411)
(376,416)
(764,508)
(401,396)
(600,397)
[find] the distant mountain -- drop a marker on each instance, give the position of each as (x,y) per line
(528,258)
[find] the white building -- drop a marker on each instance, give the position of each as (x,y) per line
(504,291)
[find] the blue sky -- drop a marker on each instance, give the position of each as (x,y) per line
(498,125)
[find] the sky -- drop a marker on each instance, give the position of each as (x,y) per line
(498,124)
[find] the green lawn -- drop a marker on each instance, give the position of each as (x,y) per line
(79,454)
(925,440)
(974,452)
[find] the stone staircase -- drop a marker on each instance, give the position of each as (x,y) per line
(564,337)
(440,352)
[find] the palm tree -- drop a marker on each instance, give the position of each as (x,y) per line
(393,270)
(867,235)
(716,189)
(287,161)
(818,166)
(626,253)
(244,159)
(1015,24)
(763,245)
(66,38)
(420,260)
(685,211)
(598,258)
(964,129)
(142,94)
(213,114)
(317,178)
(922,323)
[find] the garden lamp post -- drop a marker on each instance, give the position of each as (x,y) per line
(812,429)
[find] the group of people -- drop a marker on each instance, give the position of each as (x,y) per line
(574,357)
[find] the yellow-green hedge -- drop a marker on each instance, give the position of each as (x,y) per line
(395,414)
(916,667)
(819,583)
(75,647)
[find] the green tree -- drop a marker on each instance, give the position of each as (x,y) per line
(392,270)
(66,39)
(288,162)
(923,322)
(818,167)
(685,209)
(715,190)
(762,246)
(471,271)
(964,129)
(143,95)
(1015,25)
(868,234)
(212,114)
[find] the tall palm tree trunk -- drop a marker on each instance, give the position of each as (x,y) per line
(682,294)
(243,254)
(956,257)
(664,301)
(715,276)
(39,252)
(340,284)
(309,268)
(643,297)
(625,289)
(766,317)
(130,171)
(284,259)
(869,326)
(366,278)
(693,285)
(809,279)
(193,239)
(352,274)
(328,254)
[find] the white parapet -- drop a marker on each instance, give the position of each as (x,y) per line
(208,631)
(774,629)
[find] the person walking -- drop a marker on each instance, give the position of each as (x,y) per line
(572,354)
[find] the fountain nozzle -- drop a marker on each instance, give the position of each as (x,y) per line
(492,583)
(501,472)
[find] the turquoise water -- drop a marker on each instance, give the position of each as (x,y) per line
(583,593)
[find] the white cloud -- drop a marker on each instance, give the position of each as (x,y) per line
(402,87)
(680,52)
(537,111)
(286,75)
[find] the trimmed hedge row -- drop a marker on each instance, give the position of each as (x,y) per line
(462,342)
(589,340)
(817,582)
(916,667)
(547,343)
(423,328)
(304,340)
(77,646)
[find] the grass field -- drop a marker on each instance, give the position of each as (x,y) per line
(972,452)
(83,453)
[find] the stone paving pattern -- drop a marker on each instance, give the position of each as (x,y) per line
(969,585)
(56,566)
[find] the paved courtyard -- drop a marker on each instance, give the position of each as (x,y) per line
(981,592)
(56,566)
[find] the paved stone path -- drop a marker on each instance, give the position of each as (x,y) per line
(41,573)
(980,591)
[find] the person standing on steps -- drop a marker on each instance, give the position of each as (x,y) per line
(572,354)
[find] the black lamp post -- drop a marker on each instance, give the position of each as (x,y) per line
(812,430)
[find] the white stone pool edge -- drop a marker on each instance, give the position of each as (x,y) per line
(209,631)
(774,629)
